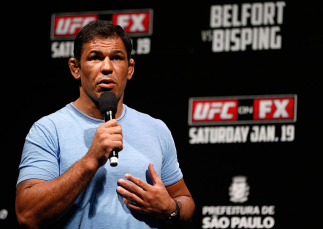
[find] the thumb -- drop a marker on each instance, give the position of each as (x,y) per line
(153,173)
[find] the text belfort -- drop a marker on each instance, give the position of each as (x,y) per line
(255,26)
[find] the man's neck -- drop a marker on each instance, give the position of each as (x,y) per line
(91,108)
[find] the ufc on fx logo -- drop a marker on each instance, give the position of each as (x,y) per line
(242,109)
(137,22)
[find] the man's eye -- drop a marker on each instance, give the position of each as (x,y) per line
(116,58)
(95,58)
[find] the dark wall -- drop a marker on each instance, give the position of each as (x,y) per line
(273,57)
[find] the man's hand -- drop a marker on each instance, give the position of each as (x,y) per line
(107,137)
(143,197)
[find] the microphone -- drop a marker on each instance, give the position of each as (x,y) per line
(108,104)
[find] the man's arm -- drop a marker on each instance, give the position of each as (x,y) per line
(181,194)
(157,199)
(40,203)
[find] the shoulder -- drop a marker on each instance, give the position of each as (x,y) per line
(54,118)
(134,117)
(63,116)
(51,124)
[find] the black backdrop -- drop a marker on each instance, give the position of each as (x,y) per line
(282,177)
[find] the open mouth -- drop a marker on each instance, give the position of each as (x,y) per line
(106,84)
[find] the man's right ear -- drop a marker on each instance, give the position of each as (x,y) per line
(74,67)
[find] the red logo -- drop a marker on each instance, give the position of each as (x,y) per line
(273,109)
(133,23)
(214,110)
(68,26)
(136,22)
(242,110)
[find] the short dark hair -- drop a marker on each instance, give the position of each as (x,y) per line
(100,29)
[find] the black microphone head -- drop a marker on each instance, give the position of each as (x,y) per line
(108,102)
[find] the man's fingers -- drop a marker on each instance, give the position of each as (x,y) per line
(153,174)
(110,134)
(140,183)
(114,137)
(113,130)
(131,187)
(133,205)
(112,127)
(133,198)
(110,123)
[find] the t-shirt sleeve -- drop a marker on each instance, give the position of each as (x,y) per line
(171,172)
(40,156)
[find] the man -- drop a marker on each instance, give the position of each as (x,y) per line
(65,180)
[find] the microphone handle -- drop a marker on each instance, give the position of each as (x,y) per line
(108,115)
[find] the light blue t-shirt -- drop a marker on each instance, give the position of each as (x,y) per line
(57,141)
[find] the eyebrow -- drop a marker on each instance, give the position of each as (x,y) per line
(95,52)
(117,52)
(100,52)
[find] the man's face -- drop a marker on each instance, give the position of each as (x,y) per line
(104,67)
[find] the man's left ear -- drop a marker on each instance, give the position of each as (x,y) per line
(131,68)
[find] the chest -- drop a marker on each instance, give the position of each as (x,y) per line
(138,151)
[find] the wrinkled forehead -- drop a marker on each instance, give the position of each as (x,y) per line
(100,43)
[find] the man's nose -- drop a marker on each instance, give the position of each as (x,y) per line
(106,67)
